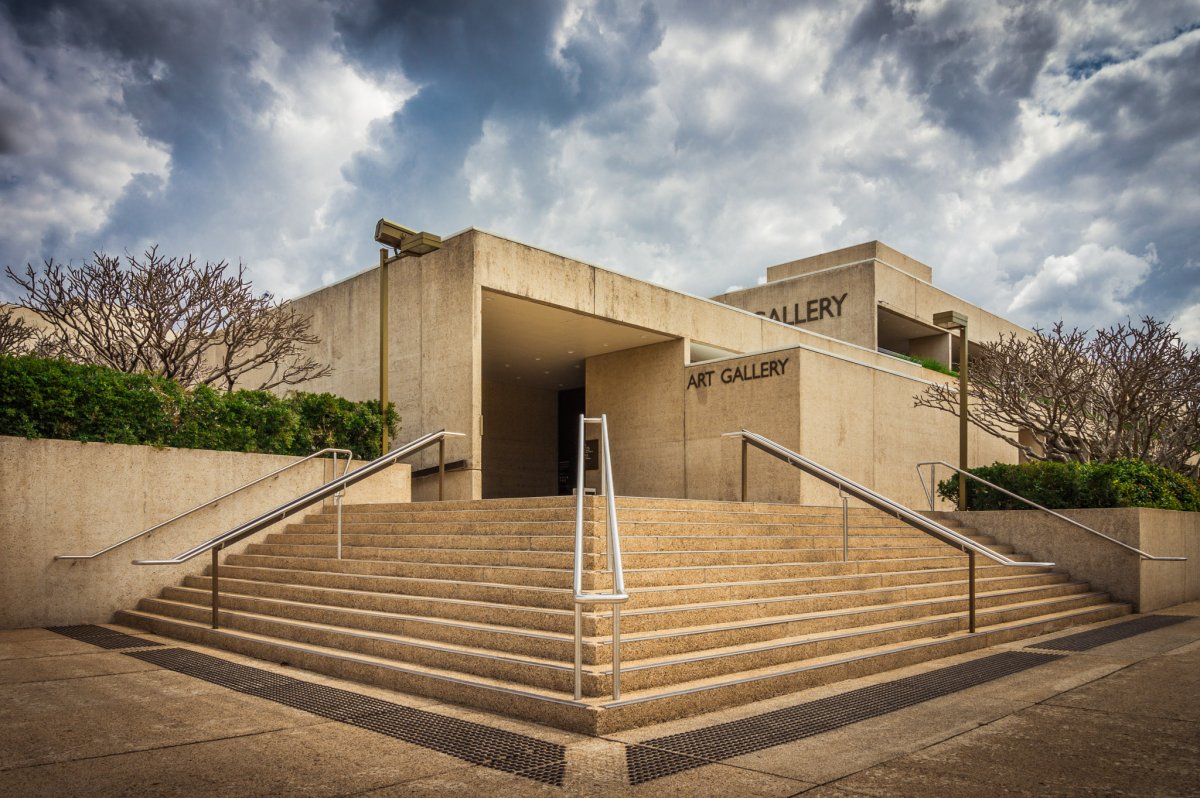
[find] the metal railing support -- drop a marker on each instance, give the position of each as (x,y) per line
(441,470)
(845,526)
(880,502)
(216,590)
(971,591)
(335,488)
(745,474)
(618,595)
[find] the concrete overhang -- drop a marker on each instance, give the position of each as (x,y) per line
(543,346)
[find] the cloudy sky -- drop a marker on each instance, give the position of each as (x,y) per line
(1044,158)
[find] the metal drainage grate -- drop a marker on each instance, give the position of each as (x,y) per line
(471,742)
(242,678)
(664,756)
(1084,641)
(99,636)
(328,702)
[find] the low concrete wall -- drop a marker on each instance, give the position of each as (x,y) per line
(63,497)
(1148,585)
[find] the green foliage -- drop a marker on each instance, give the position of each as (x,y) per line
(328,420)
(1119,483)
(56,399)
(930,363)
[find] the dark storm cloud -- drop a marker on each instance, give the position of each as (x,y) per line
(186,78)
(475,62)
(1141,156)
(1000,141)
(970,77)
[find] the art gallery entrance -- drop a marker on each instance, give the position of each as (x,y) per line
(534,376)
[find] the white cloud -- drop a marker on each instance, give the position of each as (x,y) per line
(70,153)
(1091,286)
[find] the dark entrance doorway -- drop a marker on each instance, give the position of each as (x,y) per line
(571,405)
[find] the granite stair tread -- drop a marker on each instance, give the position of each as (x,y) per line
(471,601)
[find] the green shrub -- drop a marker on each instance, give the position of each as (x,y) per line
(1058,486)
(55,399)
(929,363)
(328,420)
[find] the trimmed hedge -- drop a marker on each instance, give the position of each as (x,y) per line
(55,399)
(1059,486)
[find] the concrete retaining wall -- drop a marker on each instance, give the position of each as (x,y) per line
(63,497)
(1148,585)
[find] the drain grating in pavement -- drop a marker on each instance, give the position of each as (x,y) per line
(478,744)
(241,678)
(99,636)
(1084,641)
(664,756)
(475,743)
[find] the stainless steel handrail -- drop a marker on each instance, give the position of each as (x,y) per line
(329,450)
(881,502)
(618,596)
(334,486)
(930,489)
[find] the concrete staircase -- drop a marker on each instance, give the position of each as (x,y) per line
(729,603)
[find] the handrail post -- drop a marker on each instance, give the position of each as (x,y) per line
(337,500)
(216,593)
(578,651)
(616,651)
(845,526)
(971,592)
(744,468)
(441,469)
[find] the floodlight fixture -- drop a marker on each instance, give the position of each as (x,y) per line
(950,320)
(405,242)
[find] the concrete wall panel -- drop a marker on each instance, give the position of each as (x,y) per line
(63,497)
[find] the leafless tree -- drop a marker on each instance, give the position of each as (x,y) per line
(171,317)
(1130,390)
(16,337)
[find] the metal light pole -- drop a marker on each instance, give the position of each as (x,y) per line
(407,244)
(953,320)
(383,348)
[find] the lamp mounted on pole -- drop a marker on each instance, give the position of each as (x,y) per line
(953,320)
(405,243)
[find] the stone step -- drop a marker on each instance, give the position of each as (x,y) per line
(629,543)
(643,707)
(559,645)
(817,578)
(635,559)
(472,602)
(384,525)
(673,669)
(545,670)
(636,619)
(635,708)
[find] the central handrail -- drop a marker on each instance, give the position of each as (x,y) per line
(271,517)
(328,450)
(618,596)
(931,487)
(884,504)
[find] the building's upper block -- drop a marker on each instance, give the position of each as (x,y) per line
(872,250)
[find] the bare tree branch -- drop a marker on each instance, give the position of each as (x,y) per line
(1126,391)
(198,324)
(16,337)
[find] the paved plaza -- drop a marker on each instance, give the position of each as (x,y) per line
(88,712)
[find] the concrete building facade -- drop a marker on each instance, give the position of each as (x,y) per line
(508,344)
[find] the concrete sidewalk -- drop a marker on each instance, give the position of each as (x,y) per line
(1121,718)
